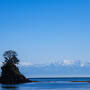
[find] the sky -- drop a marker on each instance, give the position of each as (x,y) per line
(45,31)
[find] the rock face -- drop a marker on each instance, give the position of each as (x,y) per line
(11,75)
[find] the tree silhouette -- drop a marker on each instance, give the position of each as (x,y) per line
(10,57)
(10,73)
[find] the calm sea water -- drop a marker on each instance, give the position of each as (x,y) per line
(51,84)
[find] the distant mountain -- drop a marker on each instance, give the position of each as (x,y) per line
(66,68)
(53,70)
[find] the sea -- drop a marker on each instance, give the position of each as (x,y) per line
(60,83)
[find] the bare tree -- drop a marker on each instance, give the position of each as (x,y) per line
(10,57)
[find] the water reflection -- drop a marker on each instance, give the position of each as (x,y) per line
(9,87)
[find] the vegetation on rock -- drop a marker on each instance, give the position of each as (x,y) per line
(10,73)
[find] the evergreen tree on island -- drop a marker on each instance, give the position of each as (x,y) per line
(10,73)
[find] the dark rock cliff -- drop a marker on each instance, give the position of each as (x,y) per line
(11,75)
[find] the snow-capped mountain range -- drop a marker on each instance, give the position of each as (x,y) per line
(66,68)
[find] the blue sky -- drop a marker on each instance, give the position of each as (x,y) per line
(44,31)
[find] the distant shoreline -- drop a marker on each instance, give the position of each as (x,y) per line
(67,78)
(55,77)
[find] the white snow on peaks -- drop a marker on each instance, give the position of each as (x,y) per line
(69,62)
(25,63)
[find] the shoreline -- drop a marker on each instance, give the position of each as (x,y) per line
(81,81)
(54,77)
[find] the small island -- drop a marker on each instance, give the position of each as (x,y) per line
(10,73)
